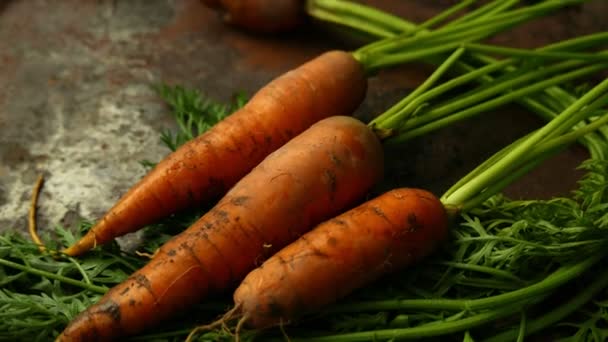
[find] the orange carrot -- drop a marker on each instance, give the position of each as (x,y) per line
(206,167)
(313,177)
(384,234)
(261,15)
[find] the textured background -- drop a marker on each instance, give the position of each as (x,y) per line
(76,103)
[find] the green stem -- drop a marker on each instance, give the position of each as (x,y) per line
(446,14)
(562,246)
(379,54)
(335,18)
(484,11)
(482,269)
(436,119)
(533,159)
(395,112)
(500,168)
(385,61)
(514,52)
(528,12)
(511,81)
(561,312)
(49,275)
(593,110)
(556,279)
(522,327)
(484,26)
(546,104)
(540,153)
(536,156)
(357,16)
(499,185)
(395,116)
(429,330)
(577,43)
(492,284)
(84,274)
(554,105)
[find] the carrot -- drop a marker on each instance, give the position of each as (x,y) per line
(261,15)
(207,166)
(215,4)
(313,177)
(340,255)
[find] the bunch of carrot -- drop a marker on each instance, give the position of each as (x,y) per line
(268,295)
(395,229)
(292,163)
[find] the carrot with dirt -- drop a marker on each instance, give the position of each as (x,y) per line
(334,83)
(388,232)
(206,167)
(314,176)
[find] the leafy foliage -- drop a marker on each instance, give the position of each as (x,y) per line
(193,113)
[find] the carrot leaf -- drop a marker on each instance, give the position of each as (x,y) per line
(194,112)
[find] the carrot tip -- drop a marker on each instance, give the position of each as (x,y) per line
(83,245)
(32,226)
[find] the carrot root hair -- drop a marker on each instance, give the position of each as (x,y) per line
(146,254)
(32,226)
(32,221)
(239,327)
(283,332)
(229,315)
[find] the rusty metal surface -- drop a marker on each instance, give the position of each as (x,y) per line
(76,103)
